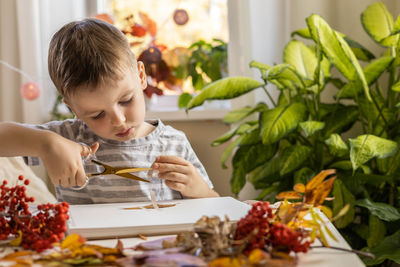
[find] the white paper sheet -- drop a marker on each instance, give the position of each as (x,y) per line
(95,221)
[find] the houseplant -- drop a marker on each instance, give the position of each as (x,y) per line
(300,134)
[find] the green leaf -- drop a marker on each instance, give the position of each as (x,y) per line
(343,165)
(228,151)
(342,197)
(293,157)
(228,135)
(261,66)
(377,231)
(278,122)
(372,72)
(284,76)
(383,211)
(251,137)
(336,145)
(337,51)
(359,51)
(389,249)
(365,147)
(396,87)
(303,175)
(301,57)
(265,174)
(245,160)
(305,33)
(184,99)
(340,119)
(227,88)
(310,127)
(267,192)
(239,114)
(378,23)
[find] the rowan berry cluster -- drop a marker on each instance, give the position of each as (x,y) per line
(255,226)
(38,231)
(286,239)
(260,230)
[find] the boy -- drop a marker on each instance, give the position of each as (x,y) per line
(93,68)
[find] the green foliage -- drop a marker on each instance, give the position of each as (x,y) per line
(299,135)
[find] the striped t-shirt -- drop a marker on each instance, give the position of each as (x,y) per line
(137,152)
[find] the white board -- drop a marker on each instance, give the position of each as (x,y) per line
(96,221)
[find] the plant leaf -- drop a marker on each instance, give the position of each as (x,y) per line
(184,99)
(377,231)
(336,145)
(383,211)
(265,174)
(342,197)
(337,51)
(359,51)
(293,157)
(340,119)
(310,127)
(303,175)
(365,147)
(239,114)
(278,122)
(228,151)
(389,249)
(301,57)
(227,88)
(228,135)
(378,23)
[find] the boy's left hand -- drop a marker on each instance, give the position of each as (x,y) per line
(180,175)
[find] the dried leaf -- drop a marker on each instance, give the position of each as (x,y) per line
(327,211)
(317,196)
(342,212)
(72,242)
(228,262)
(289,195)
(150,24)
(301,188)
(17,241)
(316,180)
(17,254)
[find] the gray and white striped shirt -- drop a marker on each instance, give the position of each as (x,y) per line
(138,152)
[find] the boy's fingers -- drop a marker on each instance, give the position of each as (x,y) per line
(94,147)
(166,167)
(80,177)
(174,185)
(173,177)
(171,159)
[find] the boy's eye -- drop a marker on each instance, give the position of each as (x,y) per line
(98,116)
(127,101)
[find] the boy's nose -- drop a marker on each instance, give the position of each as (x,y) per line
(117,118)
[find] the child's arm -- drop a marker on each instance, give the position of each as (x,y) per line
(60,156)
(182,176)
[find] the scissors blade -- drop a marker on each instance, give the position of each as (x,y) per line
(132,170)
(133,177)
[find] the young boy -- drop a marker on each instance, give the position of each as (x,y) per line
(93,68)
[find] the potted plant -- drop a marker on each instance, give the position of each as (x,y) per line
(300,134)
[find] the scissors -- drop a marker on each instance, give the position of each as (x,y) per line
(120,171)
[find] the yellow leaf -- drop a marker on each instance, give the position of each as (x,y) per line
(72,242)
(342,212)
(17,254)
(227,262)
(330,233)
(327,211)
(257,256)
(316,180)
(289,195)
(317,196)
(17,241)
(301,188)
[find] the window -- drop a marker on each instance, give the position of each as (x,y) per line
(183,44)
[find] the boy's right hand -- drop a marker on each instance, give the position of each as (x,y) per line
(63,161)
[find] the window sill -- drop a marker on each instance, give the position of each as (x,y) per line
(181,115)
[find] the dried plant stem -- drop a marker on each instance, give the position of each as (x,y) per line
(358,252)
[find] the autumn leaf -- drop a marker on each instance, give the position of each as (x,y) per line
(17,241)
(289,195)
(72,242)
(150,24)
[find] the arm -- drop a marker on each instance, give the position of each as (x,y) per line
(182,176)
(61,157)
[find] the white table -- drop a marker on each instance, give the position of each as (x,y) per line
(315,257)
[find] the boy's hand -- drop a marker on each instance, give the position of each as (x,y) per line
(180,175)
(63,162)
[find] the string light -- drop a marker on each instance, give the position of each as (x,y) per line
(29,90)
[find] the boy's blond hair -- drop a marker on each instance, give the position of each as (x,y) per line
(88,53)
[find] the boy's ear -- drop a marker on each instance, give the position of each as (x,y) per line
(65,101)
(142,74)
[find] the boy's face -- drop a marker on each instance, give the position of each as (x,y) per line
(115,111)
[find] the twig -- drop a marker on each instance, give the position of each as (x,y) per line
(358,252)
